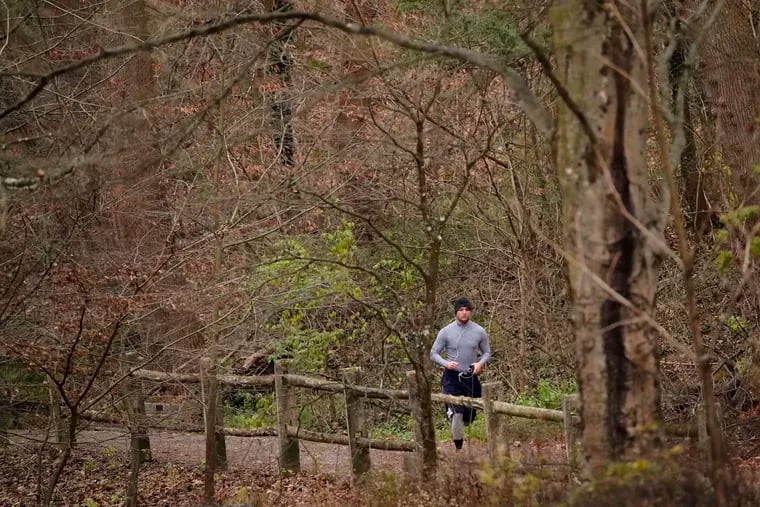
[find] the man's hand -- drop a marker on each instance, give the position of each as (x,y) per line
(452,365)
(476,367)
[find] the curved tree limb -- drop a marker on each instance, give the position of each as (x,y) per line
(524,97)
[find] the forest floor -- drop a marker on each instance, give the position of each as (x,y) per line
(98,469)
(97,472)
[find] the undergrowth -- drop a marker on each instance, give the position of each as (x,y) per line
(667,481)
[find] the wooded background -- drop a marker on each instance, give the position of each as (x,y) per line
(318,180)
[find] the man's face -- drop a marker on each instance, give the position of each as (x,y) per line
(463,314)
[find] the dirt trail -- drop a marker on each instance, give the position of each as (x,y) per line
(98,468)
(248,453)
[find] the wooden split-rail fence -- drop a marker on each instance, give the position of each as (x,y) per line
(357,438)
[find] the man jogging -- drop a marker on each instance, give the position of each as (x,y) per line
(462,340)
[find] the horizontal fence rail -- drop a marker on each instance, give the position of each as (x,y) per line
(195,378)
(289,431)
(335,438)
(502,407)
(336,387)
(331,386)
(95,416)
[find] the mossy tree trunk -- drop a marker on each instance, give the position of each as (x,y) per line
(608,215)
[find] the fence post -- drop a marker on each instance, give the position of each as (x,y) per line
(135,401)
(570,408)
(139,441)
(290,455)
(356,422)
(492,391)
(216,446)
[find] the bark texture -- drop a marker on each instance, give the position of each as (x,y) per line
(694,200)
(281,66)
(600,147)
(730,73)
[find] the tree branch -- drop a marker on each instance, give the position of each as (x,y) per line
(525,99)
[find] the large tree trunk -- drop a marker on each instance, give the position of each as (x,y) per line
(423,369)
(425,423)
(730,73)
(282,66)
(140,154)
(600,149)
(693,189)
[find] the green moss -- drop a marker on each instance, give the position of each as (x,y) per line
(723,261)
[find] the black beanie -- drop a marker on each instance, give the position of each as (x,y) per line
(461,303)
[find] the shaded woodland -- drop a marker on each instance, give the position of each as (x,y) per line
(212,186)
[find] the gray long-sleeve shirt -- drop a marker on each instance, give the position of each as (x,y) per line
(462,342)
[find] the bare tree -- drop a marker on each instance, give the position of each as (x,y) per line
(167,190)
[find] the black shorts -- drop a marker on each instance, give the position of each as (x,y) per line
(460,384)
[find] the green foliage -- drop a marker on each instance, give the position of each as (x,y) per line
(307,347)
(744,365)
(316,283)
(304,288)
(628,471)
(417,6)
(249,410)
(526,489)
(89,466)
(720,236)
(659,481)
(623,475)
(723,261)
(398,274)
(20,382)
(548,394)
(475,430)
(491,31)
(400,428)
(737,324)
(738,222)
(240,496)
(754,246)
(342,242)
(505,487)
(318,65)
(309,415)
(740,216)
(172,475)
